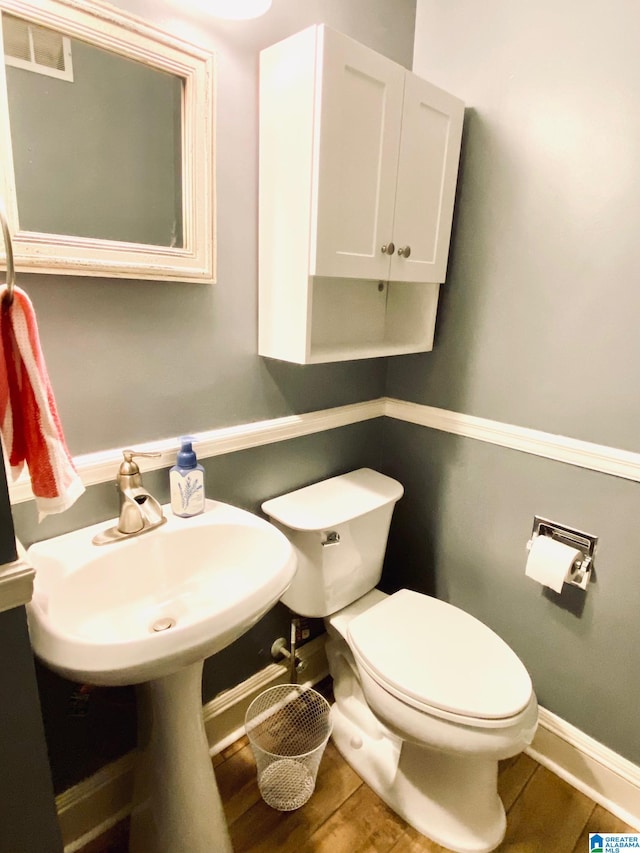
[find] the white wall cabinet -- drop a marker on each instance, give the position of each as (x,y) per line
(358,168)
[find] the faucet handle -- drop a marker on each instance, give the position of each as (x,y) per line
(128,466)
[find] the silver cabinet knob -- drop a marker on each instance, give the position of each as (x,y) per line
(404,251)
(388,249)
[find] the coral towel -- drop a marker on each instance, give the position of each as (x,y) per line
(28,416)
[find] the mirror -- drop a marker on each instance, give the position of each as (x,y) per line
(108,125)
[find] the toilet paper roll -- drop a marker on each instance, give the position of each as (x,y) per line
(550,562)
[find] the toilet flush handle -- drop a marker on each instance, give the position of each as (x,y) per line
(330,537)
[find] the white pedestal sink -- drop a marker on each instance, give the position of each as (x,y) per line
(148,611)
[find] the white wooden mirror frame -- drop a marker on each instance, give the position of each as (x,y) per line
(112,29)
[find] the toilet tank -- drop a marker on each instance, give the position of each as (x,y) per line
(339,529)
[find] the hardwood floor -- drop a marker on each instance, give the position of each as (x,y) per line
(544,813)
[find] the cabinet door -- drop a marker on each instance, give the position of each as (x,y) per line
(427,172)
(359,104)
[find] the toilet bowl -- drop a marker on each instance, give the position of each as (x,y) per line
(425,743)
(428,699)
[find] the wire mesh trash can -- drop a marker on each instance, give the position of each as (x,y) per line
(288,727)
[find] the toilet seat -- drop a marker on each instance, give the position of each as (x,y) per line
(411,644)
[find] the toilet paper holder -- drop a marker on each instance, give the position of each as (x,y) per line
(584,542)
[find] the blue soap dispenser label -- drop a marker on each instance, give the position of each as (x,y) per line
(186,480)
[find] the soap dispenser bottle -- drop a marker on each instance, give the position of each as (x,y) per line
(186,480)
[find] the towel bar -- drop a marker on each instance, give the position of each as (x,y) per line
(11,275)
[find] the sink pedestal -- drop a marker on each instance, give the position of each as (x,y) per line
(177,805)
(140,611)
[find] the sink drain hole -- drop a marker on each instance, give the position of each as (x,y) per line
(163,624)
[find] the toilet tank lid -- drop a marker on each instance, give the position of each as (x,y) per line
(335,501)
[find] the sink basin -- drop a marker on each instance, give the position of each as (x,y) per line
(147,611)
(142,608)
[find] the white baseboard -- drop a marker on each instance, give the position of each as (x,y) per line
(96,804)
(594,769)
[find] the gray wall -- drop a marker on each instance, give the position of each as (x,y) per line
(460,533)
(537,327)
(27,814)
(538,320)
(132,361)
(8,552)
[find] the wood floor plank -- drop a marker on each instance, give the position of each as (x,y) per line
(602,821)
(549,815)
(236,778)
(513,778)
(412,841)
(545,815)
(363,824)
(115,840)
(230,750)
(262,828)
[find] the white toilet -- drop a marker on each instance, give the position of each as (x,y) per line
(428,699)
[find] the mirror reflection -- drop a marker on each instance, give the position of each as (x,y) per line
(96,139)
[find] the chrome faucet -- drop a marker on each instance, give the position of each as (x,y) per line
(139,511)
